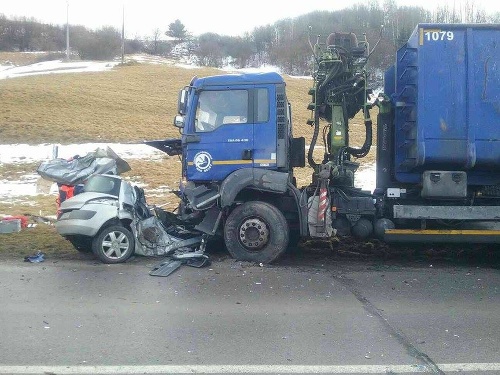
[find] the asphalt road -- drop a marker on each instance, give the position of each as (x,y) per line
(307,314)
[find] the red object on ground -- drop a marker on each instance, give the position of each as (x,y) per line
(24,220)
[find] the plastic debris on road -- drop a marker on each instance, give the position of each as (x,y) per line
(37,258)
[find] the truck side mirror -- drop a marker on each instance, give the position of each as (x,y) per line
(182,102)
(179,121)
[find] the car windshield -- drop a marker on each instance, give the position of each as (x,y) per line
(103,184)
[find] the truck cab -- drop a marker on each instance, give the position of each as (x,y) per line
(238,151)
(236,121)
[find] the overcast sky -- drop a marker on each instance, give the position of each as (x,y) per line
(224,17)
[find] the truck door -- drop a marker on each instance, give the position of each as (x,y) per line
(223,133)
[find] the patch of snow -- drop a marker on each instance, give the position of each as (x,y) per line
(365,177)
(24,153)
(301,77)
(55,67)
(182,49)
(150,59)
(26,186)
(262,69)
(6,67)
(188,66)
(60,66)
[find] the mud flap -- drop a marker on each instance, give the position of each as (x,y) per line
(165,268)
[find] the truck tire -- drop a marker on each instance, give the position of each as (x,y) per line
(256,232)
(113,244)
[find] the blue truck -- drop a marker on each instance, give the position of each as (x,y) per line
(438,147)
(437,152)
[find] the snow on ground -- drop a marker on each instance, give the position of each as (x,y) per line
(150,59)
(263,69)
(61,66)
(27,185)
(23,153)
(364,178)
(55,66)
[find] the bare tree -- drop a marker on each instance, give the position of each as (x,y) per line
(466,11)
(155,41)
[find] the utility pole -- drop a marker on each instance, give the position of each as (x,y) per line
(123,34)
(67,30)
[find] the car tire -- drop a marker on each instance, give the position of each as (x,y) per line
(113,244)
(256,232)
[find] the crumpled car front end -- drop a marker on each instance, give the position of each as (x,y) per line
(112,219)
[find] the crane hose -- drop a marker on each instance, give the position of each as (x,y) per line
(363,151)
(310,156)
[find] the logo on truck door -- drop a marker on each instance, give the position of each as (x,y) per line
(202,161)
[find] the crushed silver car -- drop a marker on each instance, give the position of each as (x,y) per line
(112,219)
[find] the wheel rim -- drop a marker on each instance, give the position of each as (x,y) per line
(253,233)
(115,245)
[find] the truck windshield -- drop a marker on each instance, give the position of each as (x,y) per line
(216,108)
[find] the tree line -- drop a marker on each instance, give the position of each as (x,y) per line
(28,35)
(285,44)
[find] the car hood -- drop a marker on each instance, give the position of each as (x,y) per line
(79,200)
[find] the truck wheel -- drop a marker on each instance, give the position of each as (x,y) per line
(256,232)
(113,244)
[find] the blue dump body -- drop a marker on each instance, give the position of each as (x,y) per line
(445,88)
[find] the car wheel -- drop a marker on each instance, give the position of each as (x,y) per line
(257,232)
(113,244)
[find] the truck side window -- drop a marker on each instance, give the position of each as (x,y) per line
(262,105)
(216,108)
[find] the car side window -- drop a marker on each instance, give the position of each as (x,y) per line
(216,108)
